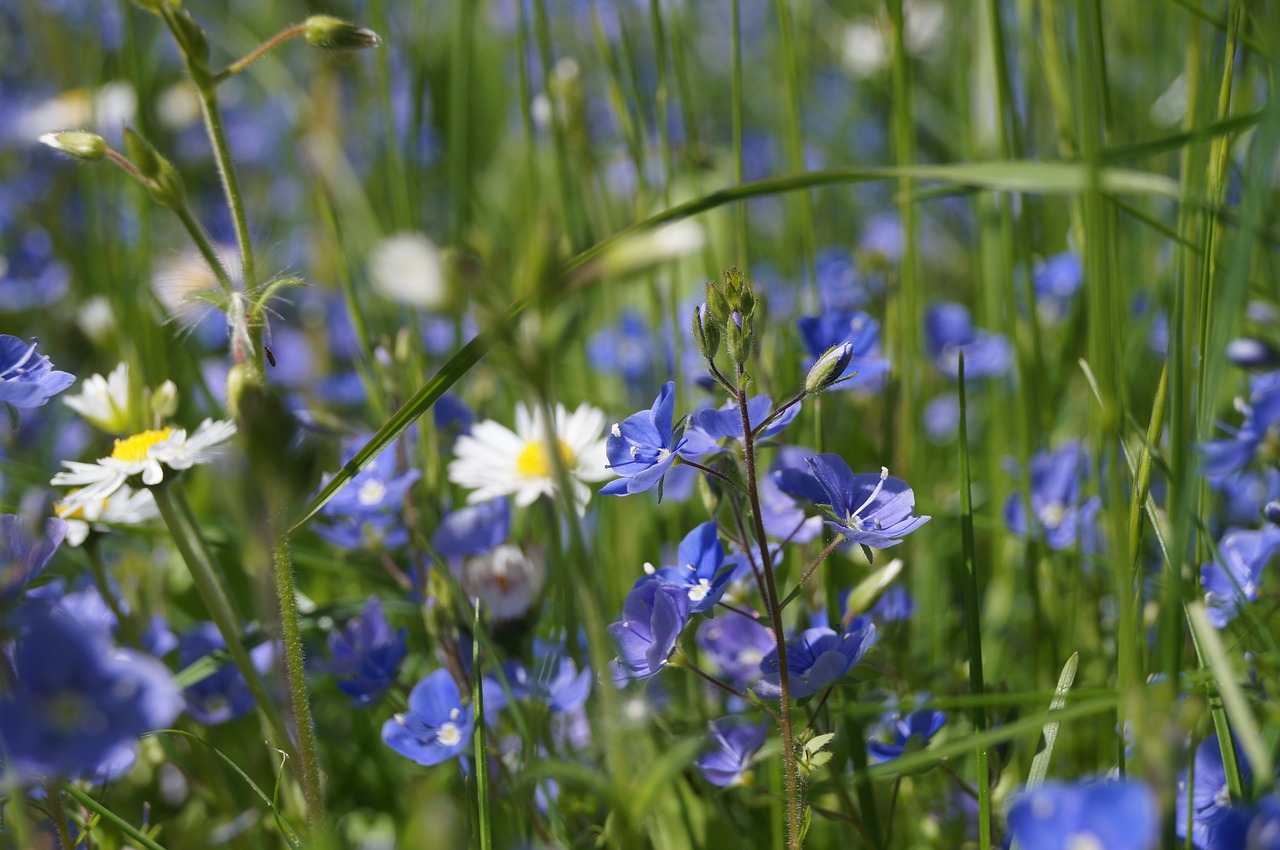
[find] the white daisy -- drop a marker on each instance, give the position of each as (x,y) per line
(506,580)
(125,506)
(104,402)
(493,461)
(144,454)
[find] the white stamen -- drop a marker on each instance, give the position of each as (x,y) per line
(615,430)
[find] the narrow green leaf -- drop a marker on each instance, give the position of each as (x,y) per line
(131,831)
(1040,764)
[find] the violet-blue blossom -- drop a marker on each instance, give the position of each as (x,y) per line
(1215,821)
(24,551)
(784,518)
(473,530)
(1258,436)
(642,448)
(901,733)
(873,510)
(732,742)
(28,379)
(1235,576)
(699,572)
(436,728)
(365,655)
(1055,500)
(816,658)
(1106,815)
(867,366)
(949,330)
(552,679)
(1056,282)
(708,427)
(78,698)
(653,616)
(736,645)
(223,695)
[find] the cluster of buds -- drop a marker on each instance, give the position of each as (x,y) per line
(728,316)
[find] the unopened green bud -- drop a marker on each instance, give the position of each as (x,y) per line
(746,299)
(77,143)
(140,152)
(164,401)
(828,368)
(161,178)
(736,343)
(707,334)
(330,33)
(191,38)
(717,304)
(238,377)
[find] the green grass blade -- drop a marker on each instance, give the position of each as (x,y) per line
(111,817)
(481,749)
(1040,763)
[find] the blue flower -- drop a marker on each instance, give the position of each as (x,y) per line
(223,695)
(816,658)
(699,571)
(436,727)
(1055,500)
(27,379)
(733,741)
(821,333)
(1057,281)
(784,518)
(914,730)
(641,448)
(1259,434)
(653,616)
(736,645)
(625,350)
(553,680)
(473,530)
(78,698)
(1215,823)
(24,553)
(949,330)
(873,510)
(709,427)
(366,655)
(1119,815)
(375,488)
(1236,575)
(894,605)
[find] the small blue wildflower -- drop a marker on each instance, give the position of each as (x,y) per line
(78,698)
(1055,500)
(365,655)
(736,644)
(31,277)
(784,518)
(1250,353)
(377,531)
(1259,434)
(473,530)
(893,606)
(1264,829)
(1057,281)
(1245,494)
(553,679)
(913,731)
(816,658)
(653,616)
(869,509)
(24,552)
(942,417)
(642,448)
(1235,577)
(1110,815)
(1215,823)
(625,349)
(375,488)
(732,743)
(709,427)
(436,727)
(699,571)
(223,695)
(28,379)
(841,289)
(452,417)
(85,604)
(868,367)
(949,330)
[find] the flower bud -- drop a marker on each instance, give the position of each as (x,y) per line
(161,178)
(330,33)
(736,343)
(77,143)
(717,304)
(706,334)
(1271,512)
(164,401)
(828,368)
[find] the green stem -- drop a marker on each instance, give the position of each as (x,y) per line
(226,170)
(59,813)
(299,701)
(104,587)
(204,574)
(258,52)
(132,832)
(481,748)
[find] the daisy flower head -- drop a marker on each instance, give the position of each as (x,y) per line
(147,454)
(125,506)
(493,461)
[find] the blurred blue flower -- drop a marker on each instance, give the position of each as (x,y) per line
(78,698)
(473,530)
(841,289)
(1055,500)
(1235,576)
(699,572)
(868,368)
(1109,815)
(942,417)
(641,448)
(625,350)
(816,658)
(1259,434)
(736,645)
(1057,281)
(653,616)
(1250,353)
(708,427)
(223,695)
(1215,823)
(873,510)
(365,655)
(436,727)
(949,330)
(732,743)
(553,680)
(376,488)
(893,606)
(784,518)
(28,379)
(24,552)
(30,276)
(1244,494)
(900,733)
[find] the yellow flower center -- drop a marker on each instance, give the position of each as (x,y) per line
(134,449)
(534,461)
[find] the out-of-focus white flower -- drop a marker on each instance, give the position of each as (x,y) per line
(95,317)
(506,580)
(493,461)
(104,402)
(867,43)
(107,110)
(178,106)
(146,454)
(409,269)
(1171,106)
(125,506)
(179,282)
(863,49)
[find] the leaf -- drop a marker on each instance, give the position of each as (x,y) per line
(818,742)
(1040,764)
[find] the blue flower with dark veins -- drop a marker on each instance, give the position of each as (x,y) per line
(642,448)
(700,572)
(436,728)
(365,655)
(653,616)
(869,509)
(732,742)
(1107,815)
(375,488)
(28,379)
(816,658)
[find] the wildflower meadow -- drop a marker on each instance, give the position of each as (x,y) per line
(634,424)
